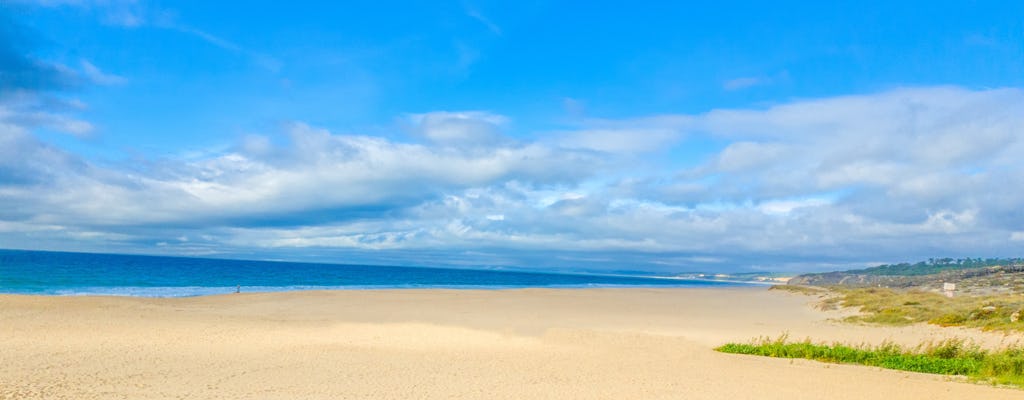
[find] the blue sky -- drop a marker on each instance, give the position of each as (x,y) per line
(550,135)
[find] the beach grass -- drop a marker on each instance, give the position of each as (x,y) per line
(947,357)
(893,307)
(799,289)
(1000,312)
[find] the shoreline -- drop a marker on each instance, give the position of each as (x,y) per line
(128,291)
(444,343)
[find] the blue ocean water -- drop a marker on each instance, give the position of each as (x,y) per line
(58,273)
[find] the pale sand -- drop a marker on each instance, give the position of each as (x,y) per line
(515,344)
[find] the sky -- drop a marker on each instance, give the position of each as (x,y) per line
(661,137)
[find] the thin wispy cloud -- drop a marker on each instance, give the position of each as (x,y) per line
(474,13)
(263,60)
(95,75)
(744,83)
(466,56)
(137,14)
(270,63)
(748,82)
(207,37)
(124,13)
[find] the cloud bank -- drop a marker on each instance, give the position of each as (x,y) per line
(897,175)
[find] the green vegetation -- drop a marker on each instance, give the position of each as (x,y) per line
(895,307)
(949,357)
(936,265)
(1000,274)
(808,290)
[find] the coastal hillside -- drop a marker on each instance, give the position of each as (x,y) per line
(982,276)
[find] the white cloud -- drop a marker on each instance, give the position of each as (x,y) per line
(892,175)
(905,141)
(632,136)
(317,170)
(619,140)
(741,156)
(787,206)
(29,110)
(461,128)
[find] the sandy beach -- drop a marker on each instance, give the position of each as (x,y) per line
(514,344)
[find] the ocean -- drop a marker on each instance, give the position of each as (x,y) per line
(59,273)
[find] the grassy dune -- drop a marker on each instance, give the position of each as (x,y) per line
(903,307)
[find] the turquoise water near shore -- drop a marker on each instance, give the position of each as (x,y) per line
(58,273)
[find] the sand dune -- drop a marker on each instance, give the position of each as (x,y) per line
(516,344)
